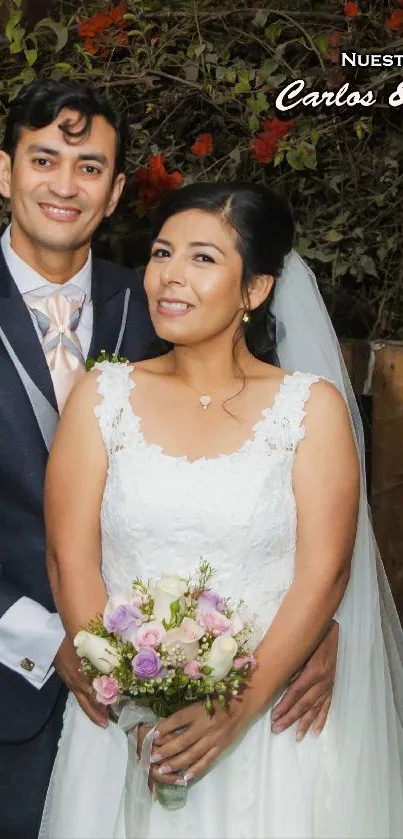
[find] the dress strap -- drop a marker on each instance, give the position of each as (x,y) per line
(114,411)
(282,426)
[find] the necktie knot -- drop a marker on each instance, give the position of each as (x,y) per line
(58,316)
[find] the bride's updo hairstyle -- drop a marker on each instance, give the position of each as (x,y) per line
(264,230)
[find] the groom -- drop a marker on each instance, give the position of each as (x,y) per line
(62,169)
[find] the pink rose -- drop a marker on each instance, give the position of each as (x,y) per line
(193,669)
(213,621)
(240,663)
(107,689)
(186,637)
(150,635)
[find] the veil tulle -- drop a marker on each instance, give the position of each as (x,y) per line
(364,796)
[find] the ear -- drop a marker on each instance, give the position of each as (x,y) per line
(5,174)
(116,192)
(260,289)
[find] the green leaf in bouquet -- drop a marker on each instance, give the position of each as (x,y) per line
(175,609)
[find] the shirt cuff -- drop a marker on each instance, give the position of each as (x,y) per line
(30,637)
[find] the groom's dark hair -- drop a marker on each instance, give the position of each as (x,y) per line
(40,103)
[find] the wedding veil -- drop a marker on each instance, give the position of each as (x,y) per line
(368,694)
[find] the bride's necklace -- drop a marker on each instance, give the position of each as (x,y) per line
(205,398)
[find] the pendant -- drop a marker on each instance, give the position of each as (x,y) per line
(205,402)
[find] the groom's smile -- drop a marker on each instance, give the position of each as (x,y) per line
(61,183)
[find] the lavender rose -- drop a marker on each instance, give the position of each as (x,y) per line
(124,621)
(209,598)
(146,664)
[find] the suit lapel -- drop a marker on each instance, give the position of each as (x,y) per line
(17,324)
(108,304)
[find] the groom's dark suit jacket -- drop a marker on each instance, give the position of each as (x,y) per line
(24,710)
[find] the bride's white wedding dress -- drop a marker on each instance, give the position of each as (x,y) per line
(161,514)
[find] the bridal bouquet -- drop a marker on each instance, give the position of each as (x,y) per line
(165,645)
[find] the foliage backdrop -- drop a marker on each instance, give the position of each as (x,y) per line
(198,81)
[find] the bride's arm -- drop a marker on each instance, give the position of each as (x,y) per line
(326,485)
(326,481)
(74,487)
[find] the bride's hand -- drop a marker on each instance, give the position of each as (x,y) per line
(185,756)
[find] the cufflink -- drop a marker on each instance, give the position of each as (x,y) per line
(27,664)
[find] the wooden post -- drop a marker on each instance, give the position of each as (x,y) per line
(387,462)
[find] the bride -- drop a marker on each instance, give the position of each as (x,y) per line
(213,450)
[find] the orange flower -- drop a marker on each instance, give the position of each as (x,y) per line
(203,145)
(350,9)
(395,21)
(154,179)
(264,146)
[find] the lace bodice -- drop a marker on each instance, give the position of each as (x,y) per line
(161,514)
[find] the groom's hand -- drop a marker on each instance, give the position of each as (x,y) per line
(309,695)
(67,664)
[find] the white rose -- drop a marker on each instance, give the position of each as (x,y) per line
(98,651)
(166,592)
(221,656)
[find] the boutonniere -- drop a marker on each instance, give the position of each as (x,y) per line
(115,359)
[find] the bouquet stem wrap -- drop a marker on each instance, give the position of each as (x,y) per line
(137,794)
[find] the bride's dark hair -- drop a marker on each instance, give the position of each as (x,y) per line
(264,227)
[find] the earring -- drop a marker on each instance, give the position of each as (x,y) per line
(246,317)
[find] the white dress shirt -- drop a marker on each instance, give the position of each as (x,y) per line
(30,635)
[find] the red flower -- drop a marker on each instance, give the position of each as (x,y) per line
(89,46)
(264,146)
(350,9)
(203,145)
(395,21)
(93,29)
(117,15)
(95,25)
(277,127)
(154,179)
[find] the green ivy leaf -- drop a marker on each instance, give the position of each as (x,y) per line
(64,66)
(243,83)
(61,31)
(333,236)
(31,56)
(274,31)
(254,122)
(12,24)
(368,264)
(294,160)
(322,43)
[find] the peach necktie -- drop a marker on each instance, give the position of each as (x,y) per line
(58,316)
